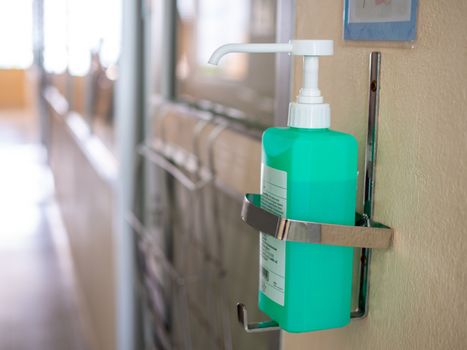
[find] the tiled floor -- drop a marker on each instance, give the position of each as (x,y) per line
(38,304)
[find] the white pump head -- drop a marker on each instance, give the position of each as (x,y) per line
(309,111)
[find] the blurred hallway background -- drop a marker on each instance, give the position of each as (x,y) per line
(45,296)
(94,225)
(39,305)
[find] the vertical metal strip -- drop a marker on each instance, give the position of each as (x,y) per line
(369,182)
(371,143)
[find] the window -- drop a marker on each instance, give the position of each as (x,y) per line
(55,36)
(15,34)
(73,29)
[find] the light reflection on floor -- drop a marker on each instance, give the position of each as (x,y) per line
(23,186)
(38,308)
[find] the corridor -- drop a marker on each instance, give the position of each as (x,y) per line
(38,302)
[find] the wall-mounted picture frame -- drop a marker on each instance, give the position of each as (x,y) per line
(380,20)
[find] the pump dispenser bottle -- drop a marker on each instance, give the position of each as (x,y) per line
(309,173)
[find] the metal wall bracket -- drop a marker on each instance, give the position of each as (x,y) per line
(255,327)
(366,234)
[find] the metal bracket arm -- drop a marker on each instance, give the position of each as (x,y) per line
(367,234)
(257,327)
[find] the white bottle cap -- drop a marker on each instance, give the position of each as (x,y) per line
(309,111)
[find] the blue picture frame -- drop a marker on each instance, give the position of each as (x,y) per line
(381,31)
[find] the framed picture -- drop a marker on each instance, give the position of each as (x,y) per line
(380,20)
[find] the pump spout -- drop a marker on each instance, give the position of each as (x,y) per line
(251,48)
(309,111)
(293,47)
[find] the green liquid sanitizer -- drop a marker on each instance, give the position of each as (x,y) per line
(309,173)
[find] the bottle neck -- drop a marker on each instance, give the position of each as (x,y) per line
(309,115)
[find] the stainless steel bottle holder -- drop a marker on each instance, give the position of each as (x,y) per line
(366,234)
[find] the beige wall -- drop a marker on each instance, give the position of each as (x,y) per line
(418,297)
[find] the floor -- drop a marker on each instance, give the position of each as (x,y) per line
(38,299)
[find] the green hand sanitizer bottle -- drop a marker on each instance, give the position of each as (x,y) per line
(309,173)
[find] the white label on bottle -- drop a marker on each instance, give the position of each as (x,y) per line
(272,251)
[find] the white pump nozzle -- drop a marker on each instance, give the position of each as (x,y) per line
(249,48)
(293,47)
(309,111)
